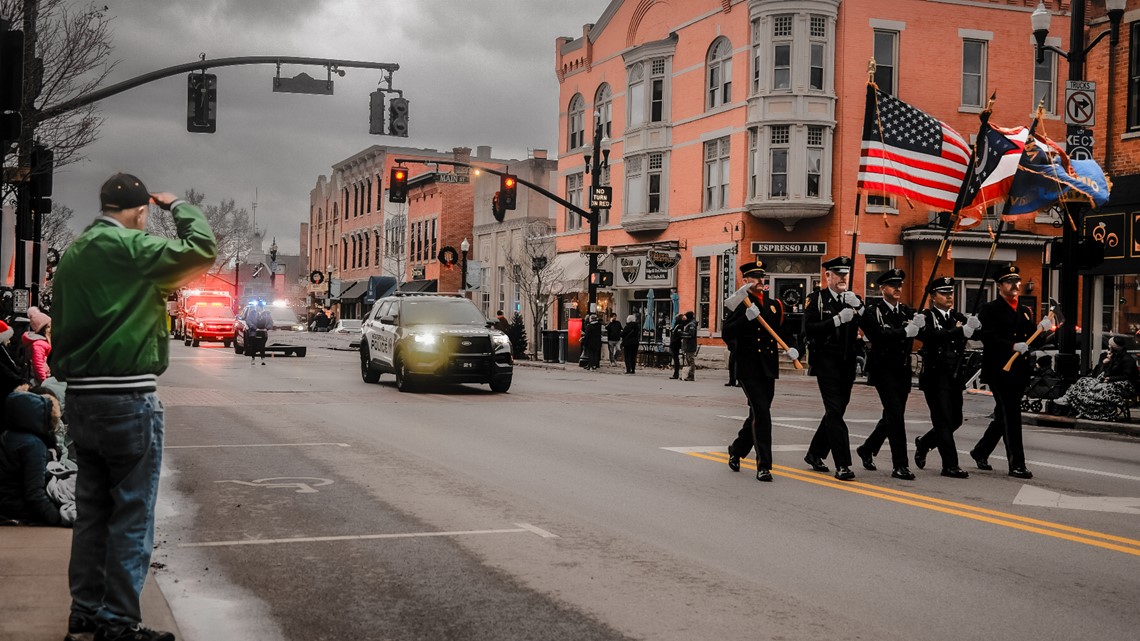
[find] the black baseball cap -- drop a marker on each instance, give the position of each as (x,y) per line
(123,191)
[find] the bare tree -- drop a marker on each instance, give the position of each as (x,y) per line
(74,43)
(57,233)
(395,259)
(231,226)
(532,268)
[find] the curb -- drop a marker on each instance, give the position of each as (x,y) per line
(1048,420)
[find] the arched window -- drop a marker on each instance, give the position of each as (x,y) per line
(576,123)
(604,108)
(719,64)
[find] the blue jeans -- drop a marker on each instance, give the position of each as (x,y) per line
(119,442)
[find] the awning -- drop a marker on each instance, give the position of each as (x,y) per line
(570,271)
(378,287)
(353,290)
(414,286)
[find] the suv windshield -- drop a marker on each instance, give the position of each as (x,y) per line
(282,315)
(453,311)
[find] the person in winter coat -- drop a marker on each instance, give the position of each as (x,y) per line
(26,447)
(630,336)
(501,322)
(613,338)
(689,345)
(258,337)
(37,344)
(592,341)
(11,374)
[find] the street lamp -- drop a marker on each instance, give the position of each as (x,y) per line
(464,247)
(601,154)
(328,291)
(1068,361)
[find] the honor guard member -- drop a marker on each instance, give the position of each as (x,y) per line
(831,332)
(1006,328)
(757,364)
(942,379)
(890,326)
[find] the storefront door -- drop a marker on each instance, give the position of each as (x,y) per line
(793,290)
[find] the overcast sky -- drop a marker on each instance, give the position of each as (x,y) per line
(477,72)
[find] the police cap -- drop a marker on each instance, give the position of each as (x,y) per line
(892,277)
(838,265)
(941,285)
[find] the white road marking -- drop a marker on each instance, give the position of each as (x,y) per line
(299,482)
(1040,497)
(721,448)
(523,527)
(194,447)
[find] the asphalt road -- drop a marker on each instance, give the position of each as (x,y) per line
(300,503)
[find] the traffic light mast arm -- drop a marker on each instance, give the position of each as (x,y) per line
(99,94)
(565,203)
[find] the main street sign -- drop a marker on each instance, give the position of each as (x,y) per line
(453,178)
(593,249)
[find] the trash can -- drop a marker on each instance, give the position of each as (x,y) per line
(550,345)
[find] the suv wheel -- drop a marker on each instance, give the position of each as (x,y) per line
(403,379)
(186,340)
(194,340)
(367,372)
(237,346)
(501,385)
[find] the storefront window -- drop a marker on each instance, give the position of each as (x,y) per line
(876,266)
(704,291)
(1120,309)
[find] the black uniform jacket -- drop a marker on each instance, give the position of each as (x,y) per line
(828,345)
(890,347)
(943,348)
(757,354)
(1002,327)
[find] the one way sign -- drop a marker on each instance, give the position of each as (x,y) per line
(1080,103)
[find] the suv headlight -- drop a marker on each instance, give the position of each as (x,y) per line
(502,342)
(425,341)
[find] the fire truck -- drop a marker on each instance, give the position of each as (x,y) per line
(186,298)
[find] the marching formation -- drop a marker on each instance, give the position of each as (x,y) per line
(835,318)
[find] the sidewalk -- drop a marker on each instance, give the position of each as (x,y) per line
(34,599)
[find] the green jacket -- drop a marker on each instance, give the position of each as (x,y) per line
(109,295)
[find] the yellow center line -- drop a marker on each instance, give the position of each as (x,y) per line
(994,517)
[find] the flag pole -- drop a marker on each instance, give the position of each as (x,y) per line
(958,204)
(1040,113)
(871,66)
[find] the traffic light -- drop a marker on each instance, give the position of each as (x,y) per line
(497,207)
(376,112)
(398,117)
(602,278)
(9,131)
(43,167)
(398,185)
(508,187)
(202,103)
(11,68)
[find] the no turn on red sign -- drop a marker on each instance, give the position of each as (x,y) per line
(1080,103)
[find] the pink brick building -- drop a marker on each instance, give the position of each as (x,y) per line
(736,127)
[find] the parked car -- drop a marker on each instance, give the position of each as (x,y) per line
(347,326)
(284,319)
(437,338)
(208,322)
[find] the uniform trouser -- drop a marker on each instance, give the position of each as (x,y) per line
(732,367)
(1006,425)
(630,354)
(757,429)
(893,389)
(945,403)
(831,436)
(257,341)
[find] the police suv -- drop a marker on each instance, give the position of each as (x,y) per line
(433,337)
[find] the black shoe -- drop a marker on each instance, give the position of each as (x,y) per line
(955,473)
(982,461)
(137,632)
(80,628)
(844,474)
(903,473)
(673,377)
(764,475)
(1021,473)
(816,463)
(865,456)
(920,451)
(730,384)
(733,460)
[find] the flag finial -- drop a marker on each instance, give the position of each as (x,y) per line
(871,66)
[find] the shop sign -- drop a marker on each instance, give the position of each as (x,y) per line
(1120,233)
(665,259)
(761,248)
(418,272)
(636,272)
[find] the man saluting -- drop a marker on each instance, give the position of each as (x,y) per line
(757,364)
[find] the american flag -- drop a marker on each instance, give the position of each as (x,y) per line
(908,152)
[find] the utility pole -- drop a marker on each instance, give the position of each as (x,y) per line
(601,157)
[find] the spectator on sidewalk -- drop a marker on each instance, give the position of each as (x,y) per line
(689,345)
(501,322)
(37,344)
(630,335)
(676,334)
(613,338)
(27,445)
(592,341)
(111,344)
(11,374)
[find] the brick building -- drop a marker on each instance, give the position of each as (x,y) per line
(736,126)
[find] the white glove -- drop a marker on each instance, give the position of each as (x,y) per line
(1046,324)
(973,323)
(793,353)
(753,312)
(851,300)
(919,320)
(1021,348)
(911,330)
(967,330)
(844,316)
(67,513)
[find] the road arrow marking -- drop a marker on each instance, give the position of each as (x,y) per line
(1039,497)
